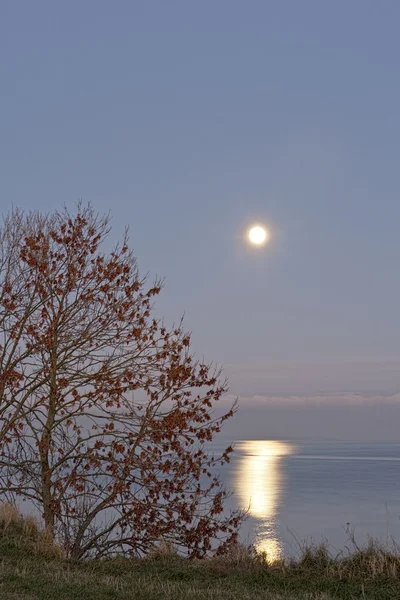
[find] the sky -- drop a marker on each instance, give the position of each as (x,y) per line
(192,120)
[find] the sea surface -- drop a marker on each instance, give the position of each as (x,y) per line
(314,491)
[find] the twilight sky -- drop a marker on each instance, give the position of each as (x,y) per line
(190,120)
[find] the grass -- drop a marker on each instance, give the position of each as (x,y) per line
(32,568)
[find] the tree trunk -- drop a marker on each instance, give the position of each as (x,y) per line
(48,505)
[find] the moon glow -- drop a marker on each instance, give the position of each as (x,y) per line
(258,235)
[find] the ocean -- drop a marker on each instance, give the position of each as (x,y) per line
(314,491)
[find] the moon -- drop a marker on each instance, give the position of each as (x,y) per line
(258,235)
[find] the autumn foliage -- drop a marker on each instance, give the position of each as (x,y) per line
(105,415)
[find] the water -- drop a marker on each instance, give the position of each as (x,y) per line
(314,491)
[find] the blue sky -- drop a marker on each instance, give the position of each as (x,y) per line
(190,120)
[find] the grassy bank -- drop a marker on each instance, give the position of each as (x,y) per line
(32,569)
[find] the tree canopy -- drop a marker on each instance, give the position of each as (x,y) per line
(105,415)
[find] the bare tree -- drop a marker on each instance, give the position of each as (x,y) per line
(105,416)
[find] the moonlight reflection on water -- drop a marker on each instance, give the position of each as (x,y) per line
(258,485)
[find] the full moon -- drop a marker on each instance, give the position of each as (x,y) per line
(258,235)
